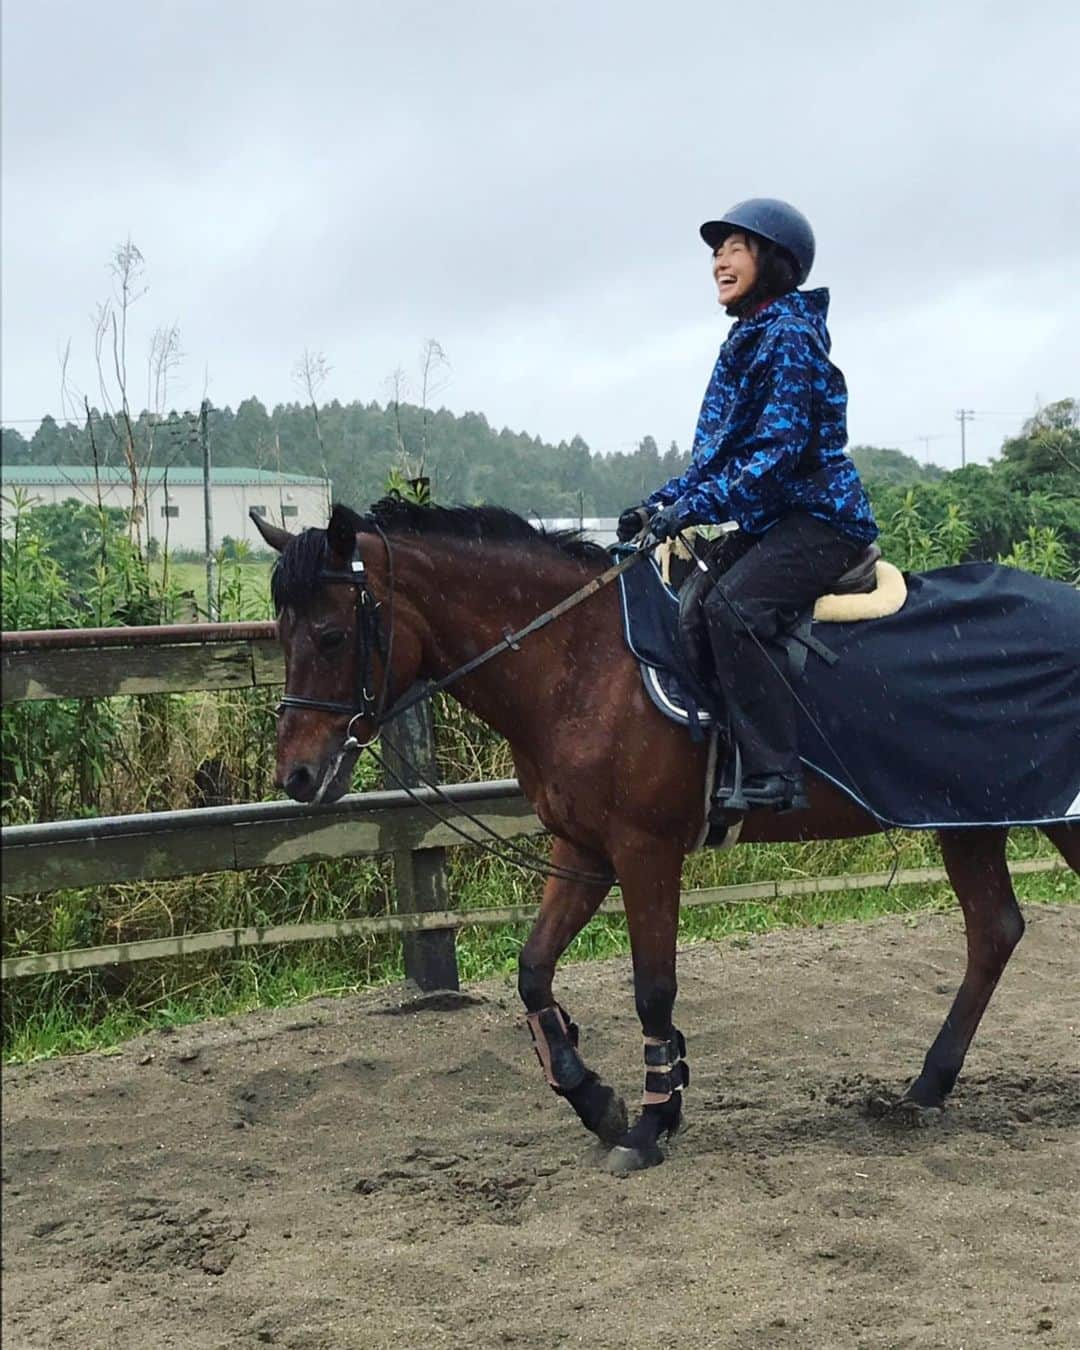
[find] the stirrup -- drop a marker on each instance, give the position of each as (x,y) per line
(737,800)
(731,799)
(783,792)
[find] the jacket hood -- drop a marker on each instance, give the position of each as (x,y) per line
(810,306)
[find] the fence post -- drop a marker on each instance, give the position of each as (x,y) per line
(420,874)
(208,512)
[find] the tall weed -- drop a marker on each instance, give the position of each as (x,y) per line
(1043,551)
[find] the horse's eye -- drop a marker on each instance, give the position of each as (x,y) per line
(331,640)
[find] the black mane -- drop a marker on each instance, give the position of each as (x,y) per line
(296,573)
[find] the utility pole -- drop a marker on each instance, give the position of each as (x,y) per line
(963,416)
(926,446)
(208,514)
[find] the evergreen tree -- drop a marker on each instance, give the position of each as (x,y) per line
(982,511)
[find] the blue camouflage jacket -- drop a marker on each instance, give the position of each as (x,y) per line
(770,438)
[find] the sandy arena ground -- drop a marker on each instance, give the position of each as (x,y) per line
(391,1171)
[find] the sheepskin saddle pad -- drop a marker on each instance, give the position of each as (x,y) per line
(870,590)
(961,707)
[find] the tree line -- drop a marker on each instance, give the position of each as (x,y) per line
(358,445)
(1034,484)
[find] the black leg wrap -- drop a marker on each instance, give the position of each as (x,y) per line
(666,1075)
(555,1039)
(671,1080)
(666,1070)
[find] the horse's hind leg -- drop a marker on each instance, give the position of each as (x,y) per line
(975,862)
(566,908)
(1066,839)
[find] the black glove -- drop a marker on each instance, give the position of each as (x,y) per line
(665,524)
(632,521)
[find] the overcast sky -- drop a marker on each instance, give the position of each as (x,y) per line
(524,182)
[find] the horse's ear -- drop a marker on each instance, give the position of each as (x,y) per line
(274,535)
(341,532)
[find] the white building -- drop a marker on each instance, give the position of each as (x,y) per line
(172,500)
(600,529)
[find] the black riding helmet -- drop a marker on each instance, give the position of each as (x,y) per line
(772,219)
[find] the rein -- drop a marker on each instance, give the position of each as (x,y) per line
(512,641)
(365,706)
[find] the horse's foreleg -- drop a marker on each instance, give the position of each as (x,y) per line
(975,862)
(566,908)
(650,876)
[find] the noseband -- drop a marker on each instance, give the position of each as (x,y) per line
(367,641)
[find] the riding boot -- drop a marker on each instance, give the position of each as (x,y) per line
(781,571)
(763,718)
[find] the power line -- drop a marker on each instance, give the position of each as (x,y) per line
(963,416)
(926,444)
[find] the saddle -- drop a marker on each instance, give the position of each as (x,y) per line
(840,605)
(665,629)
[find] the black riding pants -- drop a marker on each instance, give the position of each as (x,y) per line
(775,575)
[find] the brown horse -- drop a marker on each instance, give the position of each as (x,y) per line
(619,787)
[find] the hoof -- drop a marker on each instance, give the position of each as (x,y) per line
(621,1161)
(903,1112)
(613,1122)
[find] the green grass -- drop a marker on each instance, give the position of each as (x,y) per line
(253,577)
(98,1010)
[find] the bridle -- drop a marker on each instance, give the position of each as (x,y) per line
(367,643)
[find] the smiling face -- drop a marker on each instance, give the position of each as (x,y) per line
(735,268)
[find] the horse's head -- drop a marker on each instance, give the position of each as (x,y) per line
(336,622)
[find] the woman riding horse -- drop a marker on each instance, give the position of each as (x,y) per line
(768,454)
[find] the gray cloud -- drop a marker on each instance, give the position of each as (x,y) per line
(525,183)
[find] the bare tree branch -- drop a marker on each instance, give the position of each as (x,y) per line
(434,367)
(162,359)
(398,387)
(434,377)
(111,350)
(1054,443)
(310,373)
(70,396)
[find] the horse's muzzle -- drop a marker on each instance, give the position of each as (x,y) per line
(301,783)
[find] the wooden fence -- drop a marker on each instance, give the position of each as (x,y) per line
(170,659)
(53,855)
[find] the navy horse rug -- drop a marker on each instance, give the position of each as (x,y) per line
(963,708)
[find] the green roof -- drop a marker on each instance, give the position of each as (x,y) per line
(78,475)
